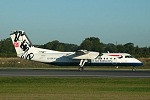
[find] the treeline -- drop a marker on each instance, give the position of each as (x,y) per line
(7,49)
(90,44)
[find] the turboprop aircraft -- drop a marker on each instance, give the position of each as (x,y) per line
(26,50)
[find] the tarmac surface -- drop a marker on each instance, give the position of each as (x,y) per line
(73,73)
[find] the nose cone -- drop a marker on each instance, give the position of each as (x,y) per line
(134,62)
(139,63)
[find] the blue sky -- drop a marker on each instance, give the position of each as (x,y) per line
(71,21)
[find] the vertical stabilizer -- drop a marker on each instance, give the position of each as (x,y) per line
(22,44)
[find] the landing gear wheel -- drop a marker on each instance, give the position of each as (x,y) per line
(81,68)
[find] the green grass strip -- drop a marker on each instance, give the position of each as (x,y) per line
(46,88)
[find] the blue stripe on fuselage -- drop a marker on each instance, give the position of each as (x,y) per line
(95,64)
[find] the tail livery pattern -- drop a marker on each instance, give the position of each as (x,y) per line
(22,45)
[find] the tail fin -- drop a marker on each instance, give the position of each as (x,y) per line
(22,44)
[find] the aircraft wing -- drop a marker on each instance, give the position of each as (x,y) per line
(84,54)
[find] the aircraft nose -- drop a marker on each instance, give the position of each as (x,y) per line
(139,63)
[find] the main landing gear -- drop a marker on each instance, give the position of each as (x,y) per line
(82,62)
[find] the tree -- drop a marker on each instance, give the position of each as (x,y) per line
(56,45)
(145,52)
(138,52)
(86,45)
(91,44)
(6,48)
(51,45)
(129,48)
(111,48)
(120,48)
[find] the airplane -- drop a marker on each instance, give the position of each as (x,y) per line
(26,50)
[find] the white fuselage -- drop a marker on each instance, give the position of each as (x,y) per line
(65,58)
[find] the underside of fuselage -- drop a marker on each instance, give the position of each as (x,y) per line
(95,64)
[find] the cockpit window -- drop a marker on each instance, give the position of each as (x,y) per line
(128,57)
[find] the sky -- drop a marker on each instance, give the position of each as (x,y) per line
(71,21)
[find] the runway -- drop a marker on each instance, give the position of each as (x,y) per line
(73,73)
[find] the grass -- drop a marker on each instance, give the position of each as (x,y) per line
(45,88)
